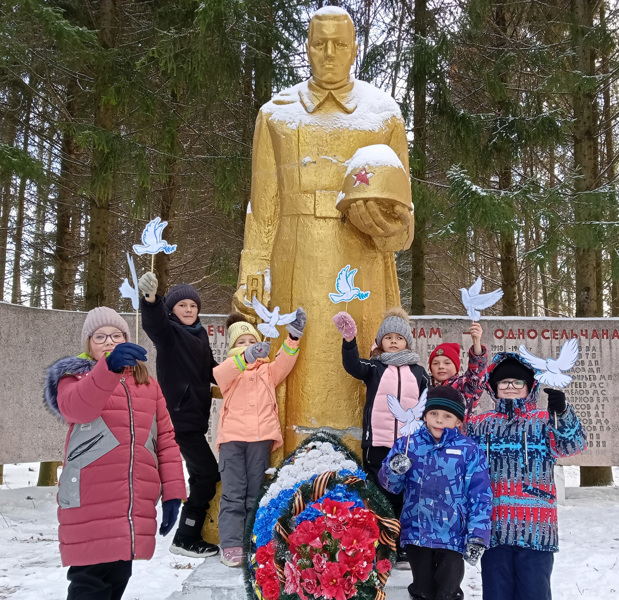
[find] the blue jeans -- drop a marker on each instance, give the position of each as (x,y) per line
(514,573)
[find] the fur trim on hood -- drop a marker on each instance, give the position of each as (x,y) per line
(70,365)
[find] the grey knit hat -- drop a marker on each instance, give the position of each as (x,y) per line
(182,291)
(393,324)
(100,317)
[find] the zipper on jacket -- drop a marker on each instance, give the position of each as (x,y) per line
(131,456)
(395,423)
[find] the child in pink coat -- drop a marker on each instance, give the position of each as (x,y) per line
(249,428)
(120,458)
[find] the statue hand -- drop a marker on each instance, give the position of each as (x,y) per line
(238,303)
(379,219)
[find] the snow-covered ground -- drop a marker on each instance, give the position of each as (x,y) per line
(586,568)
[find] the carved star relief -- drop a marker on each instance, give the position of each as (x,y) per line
(362,176)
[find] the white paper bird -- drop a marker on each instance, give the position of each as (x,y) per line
(410,417)
(151,239)
(549,370)
(474,301)
(271,319)
(345,285)
(126,291)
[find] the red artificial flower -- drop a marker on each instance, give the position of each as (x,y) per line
(265,553)
(292,576)
(265,573)
(334,509)
(365,519)
(383,566)
(307,533)
(356,566)
(336,527)
(320,562)
(355,539)
(331,581)
(349,587)
(270,589)
(310,583)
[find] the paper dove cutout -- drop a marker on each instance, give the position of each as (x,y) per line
(410,417)
(345,285)
(474,301)
(549,370)
(151,239)
(271,319)
(126,291)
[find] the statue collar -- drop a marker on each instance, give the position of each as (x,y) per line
(313,97)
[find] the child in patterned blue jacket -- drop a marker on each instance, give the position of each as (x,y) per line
(522,444)
(447,497)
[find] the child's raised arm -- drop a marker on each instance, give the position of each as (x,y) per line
(350,352)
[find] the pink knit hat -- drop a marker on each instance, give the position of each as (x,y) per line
(100,317)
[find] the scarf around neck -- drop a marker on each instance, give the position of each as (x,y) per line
(399,359)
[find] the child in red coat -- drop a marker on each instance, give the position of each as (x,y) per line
(120,456)
(445,366)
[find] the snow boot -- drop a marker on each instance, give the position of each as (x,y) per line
(188,538)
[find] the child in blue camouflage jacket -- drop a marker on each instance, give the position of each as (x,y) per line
(522,445)
(447,497)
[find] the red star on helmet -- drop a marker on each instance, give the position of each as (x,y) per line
(362,177)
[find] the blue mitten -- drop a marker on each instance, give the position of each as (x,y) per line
(259,350)
(125,355)
(170,510)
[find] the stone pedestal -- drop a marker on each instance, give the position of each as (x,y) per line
(214,581)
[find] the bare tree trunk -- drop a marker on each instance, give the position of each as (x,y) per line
(48,473)
(62,283)
(9,134)
(168,197)
(18,236)
(610,169)
(419,166)
(585,130)
(103,169)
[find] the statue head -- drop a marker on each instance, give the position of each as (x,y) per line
(331,47)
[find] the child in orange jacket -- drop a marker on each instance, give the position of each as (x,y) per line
(249,426)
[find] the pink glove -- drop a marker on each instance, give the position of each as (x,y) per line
(345,325)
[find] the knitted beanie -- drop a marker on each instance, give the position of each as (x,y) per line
(445,397)
(182,291)
(236,330)
(100,317)
(396,321)
(511,368)
(451,351)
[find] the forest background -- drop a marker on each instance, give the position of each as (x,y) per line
(113,112)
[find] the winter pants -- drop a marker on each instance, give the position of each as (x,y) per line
(372,462)
(203,477)
(242,466)
(514,573)
(103,581)
(437,573)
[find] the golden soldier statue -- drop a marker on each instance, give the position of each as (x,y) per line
(313,211)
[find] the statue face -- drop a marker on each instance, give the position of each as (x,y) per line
(331,49)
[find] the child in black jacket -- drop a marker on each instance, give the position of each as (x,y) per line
(185,371)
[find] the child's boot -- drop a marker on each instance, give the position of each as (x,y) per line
(232,557)
(188,538)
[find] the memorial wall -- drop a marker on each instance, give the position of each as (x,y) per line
(32,338)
